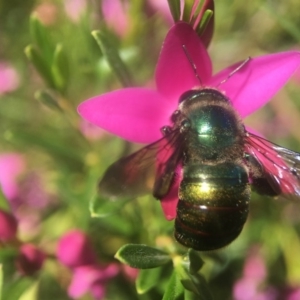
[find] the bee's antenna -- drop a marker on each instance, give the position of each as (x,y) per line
(235,70)
(192,64)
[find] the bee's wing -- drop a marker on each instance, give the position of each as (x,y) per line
(149,170)
(273,165)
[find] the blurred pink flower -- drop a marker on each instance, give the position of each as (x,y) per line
(24,191)
(8,226)
(11,166)
(74,249)
(195,17)
(255,267)
(75,8)
(91,279)
(76,252)
(130,273)
(9,78)
(47,12)
(294,294)
(138,114)
(254,274)
(116,15)
(30,259)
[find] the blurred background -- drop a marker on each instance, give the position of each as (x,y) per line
(51,160)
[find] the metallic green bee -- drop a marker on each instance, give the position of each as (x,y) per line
(217,161)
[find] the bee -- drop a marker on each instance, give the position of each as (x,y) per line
(217,163)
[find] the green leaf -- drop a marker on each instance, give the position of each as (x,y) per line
(113,58)
(147,279)
(201,287)
(204,21)
(41,37)
(115,224)
(40,64)
(197,284)
(49,142)
(174,289)
(142,256)
(48,99)
(16,289)
(192,262)
(174,6)
(187,9)
(101,207)
(60,68)
(3,202)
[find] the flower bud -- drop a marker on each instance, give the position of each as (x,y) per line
(30,259)
(74,250)
(8,226)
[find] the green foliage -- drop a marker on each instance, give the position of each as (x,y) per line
(110,52)
(142,256)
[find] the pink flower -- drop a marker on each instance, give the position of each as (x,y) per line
(9,78)
(74,249)
(116,15)
(138,114)
(194,18)
(76,252)
(254,274)
(8,226)
(30,259)
(11,166)
(75,9)
(92,279)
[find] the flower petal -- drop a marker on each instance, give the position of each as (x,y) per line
(134,114)
(74,249)
(255,83)
(30,259)
(174,71)
(92,279)
(11,166)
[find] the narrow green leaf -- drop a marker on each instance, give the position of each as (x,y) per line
(40,64)
(60,150)
(188,295)
(192,262)
(174,6)
(204,21)
(15,289)
(201,287)
(147,279)
(113,58)
(174,289)
(41,37)
(60,68)
(142,256)
(189,285)
(284,21)
(48,99)
(101,207)
(188,5)
(3,202)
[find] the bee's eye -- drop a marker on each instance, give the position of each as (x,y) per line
(187,95)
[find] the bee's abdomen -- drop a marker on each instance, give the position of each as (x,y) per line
(213,205)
